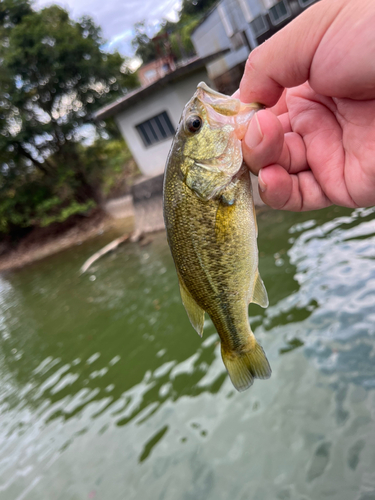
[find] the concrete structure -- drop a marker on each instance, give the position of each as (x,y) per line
(239,26)
(224,27)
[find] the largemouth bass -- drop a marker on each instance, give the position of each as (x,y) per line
(211,228)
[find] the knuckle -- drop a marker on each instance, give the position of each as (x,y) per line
(252,60)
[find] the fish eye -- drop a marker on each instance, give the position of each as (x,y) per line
(194,123)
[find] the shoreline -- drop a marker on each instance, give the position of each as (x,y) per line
(27,253)
(118,217)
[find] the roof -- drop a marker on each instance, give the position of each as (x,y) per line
(140,93)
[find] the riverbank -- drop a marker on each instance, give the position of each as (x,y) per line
(40,244)
(142,211)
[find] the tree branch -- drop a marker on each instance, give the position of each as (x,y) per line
(39,165)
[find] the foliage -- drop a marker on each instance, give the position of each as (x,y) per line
(54,75)
(180,44)
(192,8)
(112,161)
(145,48)
(31,200)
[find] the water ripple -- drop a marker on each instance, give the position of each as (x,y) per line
(107,392)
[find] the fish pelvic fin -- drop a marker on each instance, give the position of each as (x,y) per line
(259,295)
(194,311)
(244,366)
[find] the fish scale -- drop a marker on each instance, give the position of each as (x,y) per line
(211,228)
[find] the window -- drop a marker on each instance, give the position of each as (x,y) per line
(151,74)
(155,129)
(259,26)
(279,12)
(305,3)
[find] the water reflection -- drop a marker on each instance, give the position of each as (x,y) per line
(107,392)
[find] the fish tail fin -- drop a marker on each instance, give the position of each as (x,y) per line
(244,366)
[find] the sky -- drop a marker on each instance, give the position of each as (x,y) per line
(117,17)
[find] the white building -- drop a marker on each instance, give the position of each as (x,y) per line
(239,26)
(148,116)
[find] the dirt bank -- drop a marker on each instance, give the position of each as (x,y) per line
(43,242)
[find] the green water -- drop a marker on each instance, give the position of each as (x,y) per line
(107,392)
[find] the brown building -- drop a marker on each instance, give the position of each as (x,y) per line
(155,70)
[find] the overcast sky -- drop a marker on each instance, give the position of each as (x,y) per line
(117,17)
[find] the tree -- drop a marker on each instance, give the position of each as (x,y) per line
(145,48)
(179,43)
(195,7)
(54,75)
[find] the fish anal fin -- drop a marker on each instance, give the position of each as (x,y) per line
(259,295)
(194,311)
(243,367)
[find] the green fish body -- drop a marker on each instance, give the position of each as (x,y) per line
(211,228)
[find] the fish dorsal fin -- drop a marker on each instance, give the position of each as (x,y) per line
(259,295)
(195,312)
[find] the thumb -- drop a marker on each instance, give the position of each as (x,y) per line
(285,59)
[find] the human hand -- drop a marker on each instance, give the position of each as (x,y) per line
(316,145)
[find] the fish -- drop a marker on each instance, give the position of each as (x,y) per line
(211,227)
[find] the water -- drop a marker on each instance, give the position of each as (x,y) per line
(107,392)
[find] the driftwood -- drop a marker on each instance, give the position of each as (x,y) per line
(133,237)
(108,248)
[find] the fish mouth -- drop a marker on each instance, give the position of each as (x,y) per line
(225,110)
(222,104)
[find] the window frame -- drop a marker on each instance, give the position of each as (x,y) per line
(153,131)
(275,22)
(305,3)
(266,25)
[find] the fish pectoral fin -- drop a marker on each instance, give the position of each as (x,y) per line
(195,312)
(206,183)
(259,295)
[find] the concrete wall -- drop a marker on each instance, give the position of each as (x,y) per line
(215,34)
(172,99)
(211,36)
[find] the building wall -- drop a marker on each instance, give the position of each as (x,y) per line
(240,25)
(227,26)
(155,70)
(213,35)
(172,99)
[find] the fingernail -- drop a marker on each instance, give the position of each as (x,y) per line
(261,183)
(254,134)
